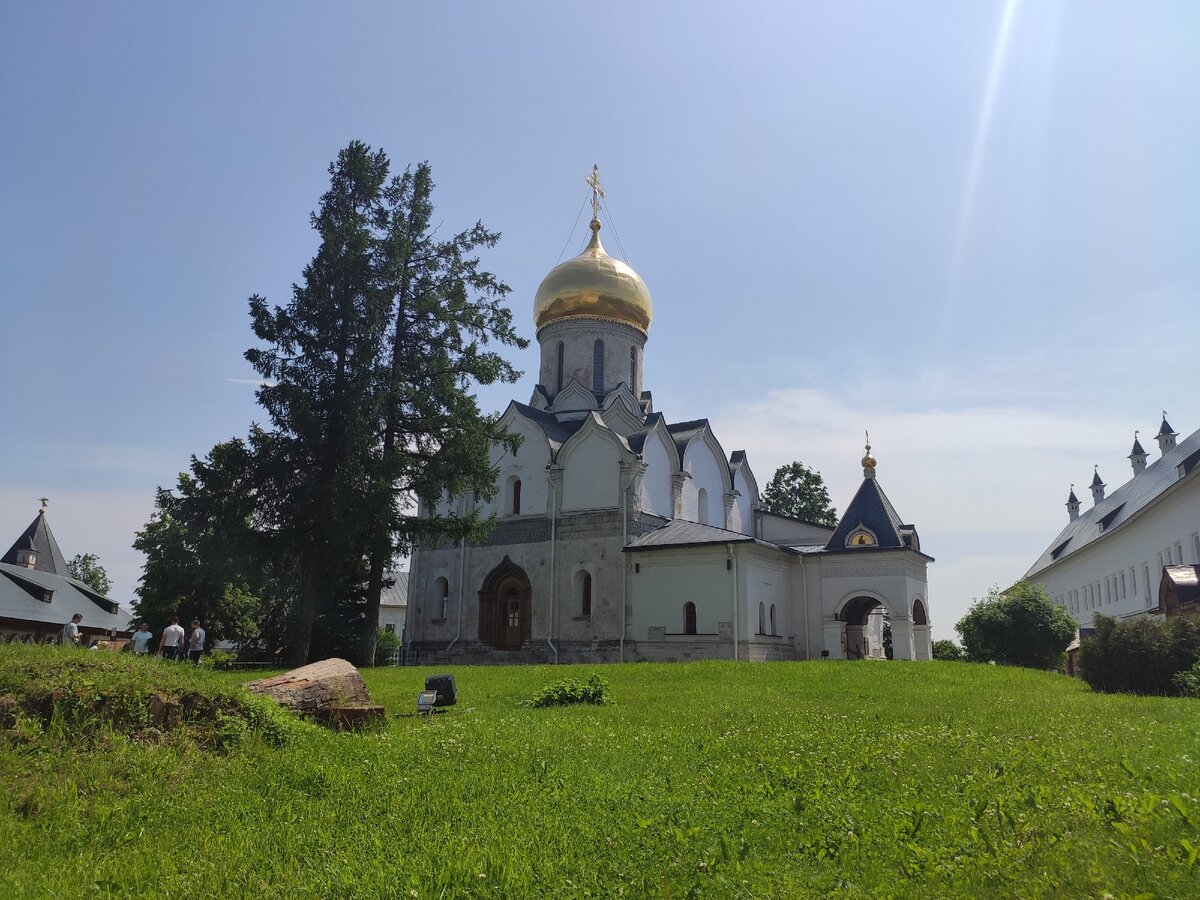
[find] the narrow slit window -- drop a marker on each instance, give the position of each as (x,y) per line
(516,497)
(598,368)
(689,618)
(561,355)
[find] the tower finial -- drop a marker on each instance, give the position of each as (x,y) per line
(593,181)
(43,501)
(868,461)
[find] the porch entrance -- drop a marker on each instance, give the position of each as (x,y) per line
(505,607)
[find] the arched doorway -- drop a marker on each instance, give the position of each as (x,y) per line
(865,621)
(505,607)
(922,638)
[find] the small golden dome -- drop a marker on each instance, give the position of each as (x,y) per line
(868,461)
(593,285)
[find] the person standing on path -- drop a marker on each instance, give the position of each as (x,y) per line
(170,645)
(196,642)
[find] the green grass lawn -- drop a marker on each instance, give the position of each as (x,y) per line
(705,779)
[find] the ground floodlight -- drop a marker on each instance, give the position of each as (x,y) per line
(425,701)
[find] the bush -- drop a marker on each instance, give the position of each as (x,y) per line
(570,691)
(1017,627)
(948,650)
(387,644)
(1141,656)
(1188,683)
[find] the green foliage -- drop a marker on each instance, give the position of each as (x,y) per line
(207,554)
(570,691)
(368,374)
(218,659)
(710,779)
(1017,627)
(1188,682)
(1142,655)
(82,699)
(387,644)
(948,651)
(86,567)
(798,491)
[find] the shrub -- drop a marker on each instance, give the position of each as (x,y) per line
(1188,683)
(1141,656)
(571,690)
(387,643)
(948,650)
(1018,627)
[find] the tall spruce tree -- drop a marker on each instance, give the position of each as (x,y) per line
(369,371)
(445,309)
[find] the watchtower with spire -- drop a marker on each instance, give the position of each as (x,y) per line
(1166,435)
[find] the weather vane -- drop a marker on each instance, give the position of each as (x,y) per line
(593,181)
(43,501)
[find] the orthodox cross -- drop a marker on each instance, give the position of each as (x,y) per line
(868,436)
(43,501)
(593,181)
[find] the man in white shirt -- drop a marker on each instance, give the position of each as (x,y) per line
(70,635)
(195,641)
(141,639)
(171,642)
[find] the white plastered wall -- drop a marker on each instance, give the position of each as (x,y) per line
(656,482)
(705,466)
(591,464)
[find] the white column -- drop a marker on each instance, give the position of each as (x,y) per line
(902,639)
(833,639)
(923,641)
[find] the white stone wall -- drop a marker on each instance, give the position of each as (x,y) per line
(1109,576)
(706,466)
(656,482)
(578,337)
(591,463)
(528,464)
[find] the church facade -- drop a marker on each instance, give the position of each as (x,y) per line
(623,536)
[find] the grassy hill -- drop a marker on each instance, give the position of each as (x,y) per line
(705,779)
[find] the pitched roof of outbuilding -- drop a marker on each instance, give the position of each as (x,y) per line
(680,533)
(23,594)
(397,594)
(1125,502)
(39,538)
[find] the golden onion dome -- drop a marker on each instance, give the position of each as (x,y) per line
(593,285)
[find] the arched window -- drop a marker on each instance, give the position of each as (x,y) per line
(762,617)
(516,497)
(689,618)
(442,590)
(585,593)
(633,370)
(774,630)
(702,506)
(561,352)
(598,368)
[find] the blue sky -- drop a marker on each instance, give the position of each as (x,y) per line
(968,227)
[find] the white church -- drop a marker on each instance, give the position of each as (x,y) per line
(622,536)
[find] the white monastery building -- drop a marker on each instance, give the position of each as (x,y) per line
(1110,559)
(624,536)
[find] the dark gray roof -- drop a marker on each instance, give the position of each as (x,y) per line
(683,432)
(397,594)
(1166,428)
(637,440)
(39,538)
(22,590)
(1137,448)
(737,456)
(1096,482)
(871,509)
(1127,501)
(678,533)
(1072,498)
(556,432)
